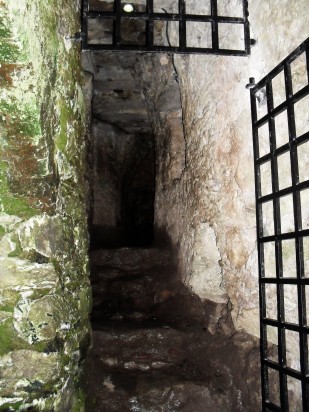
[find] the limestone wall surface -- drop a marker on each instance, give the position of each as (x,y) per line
(44,290)
(208,209)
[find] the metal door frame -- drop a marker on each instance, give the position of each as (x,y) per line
(268,364)
(150,17)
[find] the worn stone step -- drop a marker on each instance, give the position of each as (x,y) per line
(140,349)
(137,293)
(131,260)
(146,297)
(102,273)
(157,392)
(136,367)
(115,62)
(137,300)
(101,315)
(121,309)
(109,306)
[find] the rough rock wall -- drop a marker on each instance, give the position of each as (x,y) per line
(208,210)
(44,290)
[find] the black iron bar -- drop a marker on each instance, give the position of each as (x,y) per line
(285,370)
(260,248)
(301,295)
(286,325)
(215,26)
(284,192)
(307,62)
(182,25)
(117,24)
(285,236)
(246,26)
(278,251)
(271,407)
(284,148)
(149,25)
(287,281)
(164,16)
(165,49)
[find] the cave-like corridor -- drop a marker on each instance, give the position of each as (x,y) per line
(170,221)
(123,156)
(152,347)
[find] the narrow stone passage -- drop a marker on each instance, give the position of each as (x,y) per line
(151,350)
(156,346)
(151,155)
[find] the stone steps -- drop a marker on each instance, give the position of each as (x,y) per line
(138,292)
(131,260)
(151,350)
(148,368)
(140,349)
(131,283)
(152,367)
(154,392)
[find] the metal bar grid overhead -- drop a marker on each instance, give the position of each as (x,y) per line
(280,122)
(166,26)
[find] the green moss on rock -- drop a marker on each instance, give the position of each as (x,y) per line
(11,203)
(9,339)
(66,116)
(2,232)
(18,251)
(11,406)
(9,52)
(7,308)
(42,183)
(79,402)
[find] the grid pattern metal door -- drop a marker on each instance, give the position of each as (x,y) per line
(178,26)
(280,120)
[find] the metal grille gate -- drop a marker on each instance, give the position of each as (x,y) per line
(280,120)
(198,26)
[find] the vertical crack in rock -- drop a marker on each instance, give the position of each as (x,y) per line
(182,120)
(177,79)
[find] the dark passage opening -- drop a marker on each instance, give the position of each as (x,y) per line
(137,193)
(123,157)
(123,191)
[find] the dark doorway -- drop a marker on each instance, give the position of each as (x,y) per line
(123,184)
(123,189)
(137,193)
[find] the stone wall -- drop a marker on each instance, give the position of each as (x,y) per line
(44,289)
(205,197)
(208,206)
